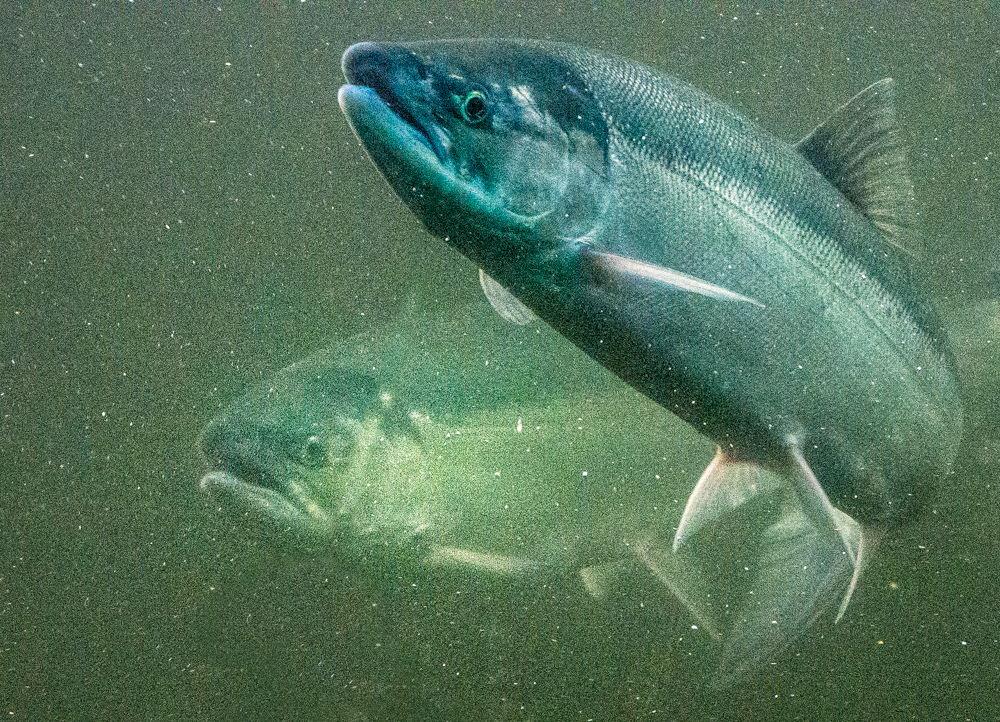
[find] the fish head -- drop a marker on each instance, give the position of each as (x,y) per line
(291,449)
(497,146)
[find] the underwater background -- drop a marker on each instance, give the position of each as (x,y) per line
(184,211)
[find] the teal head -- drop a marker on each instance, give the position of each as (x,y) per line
(294,449)
(497,148)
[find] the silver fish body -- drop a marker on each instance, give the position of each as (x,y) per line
(838,349)
(762,291)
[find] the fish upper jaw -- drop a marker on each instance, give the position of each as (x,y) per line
(400,80)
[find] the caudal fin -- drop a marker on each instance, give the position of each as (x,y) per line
(802,572)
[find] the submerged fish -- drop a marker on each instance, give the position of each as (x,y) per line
(760,290)
(429,443)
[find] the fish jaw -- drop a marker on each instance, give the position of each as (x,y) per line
(243,469)
(262,486)
(268,501)
(233,460)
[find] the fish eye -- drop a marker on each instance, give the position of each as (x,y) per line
(473,107)
(313,453)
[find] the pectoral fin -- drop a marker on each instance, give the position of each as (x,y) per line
(615,265)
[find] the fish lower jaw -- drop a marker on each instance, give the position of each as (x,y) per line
(218,479)
(268,501)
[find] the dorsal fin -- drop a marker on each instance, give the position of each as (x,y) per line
(860,151)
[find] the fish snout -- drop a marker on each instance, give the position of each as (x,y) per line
(360,63)
(230,455)
(387,69)
(216,442)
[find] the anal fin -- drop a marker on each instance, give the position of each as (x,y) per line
(498,564)
(801,572)
(724,486)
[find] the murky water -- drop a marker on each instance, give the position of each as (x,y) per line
(184,211)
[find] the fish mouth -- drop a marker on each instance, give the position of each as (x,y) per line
(271,502)
(225,450)
(231,475)
(231,470)
(395,77)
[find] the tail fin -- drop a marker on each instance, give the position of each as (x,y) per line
(753,565)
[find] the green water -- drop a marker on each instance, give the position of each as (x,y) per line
(183,211)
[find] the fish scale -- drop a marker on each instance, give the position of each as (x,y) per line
(741,173)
